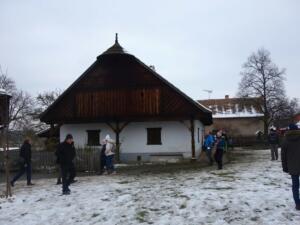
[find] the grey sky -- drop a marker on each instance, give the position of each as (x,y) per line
(196,45)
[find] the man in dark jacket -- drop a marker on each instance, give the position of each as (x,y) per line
(220,145)
(65,156)
(102,159)
(290,156)
(273,139)
(25,162)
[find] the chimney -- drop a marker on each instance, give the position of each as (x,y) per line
(226,96)
(152,67)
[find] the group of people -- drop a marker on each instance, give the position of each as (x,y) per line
(65,156)
(219,142)
(290,156)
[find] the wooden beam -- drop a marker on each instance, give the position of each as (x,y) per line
(112,127)
(123,126)
(193,140)
(186,125)
(117,130)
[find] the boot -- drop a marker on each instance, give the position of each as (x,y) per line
(58,181)
(298,207)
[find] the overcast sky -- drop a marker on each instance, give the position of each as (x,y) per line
(196,45)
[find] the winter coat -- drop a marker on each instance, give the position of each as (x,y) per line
(65,154)
(109,148)
(25,153)
(273,138)
(290,152)
(220,143)
(103,150)
(209,141)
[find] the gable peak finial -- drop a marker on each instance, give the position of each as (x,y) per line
(116,41)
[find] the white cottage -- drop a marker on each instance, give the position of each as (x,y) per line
(119,95)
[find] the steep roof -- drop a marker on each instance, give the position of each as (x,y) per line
(118,86)
(233,107)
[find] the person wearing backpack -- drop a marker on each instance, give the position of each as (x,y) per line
(110,153)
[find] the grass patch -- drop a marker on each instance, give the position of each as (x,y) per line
(95,215)
(140,216)
(182,206)
(124,182)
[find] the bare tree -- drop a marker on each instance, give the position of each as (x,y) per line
(289,108)
(261,78)
(42,102)
(21,104)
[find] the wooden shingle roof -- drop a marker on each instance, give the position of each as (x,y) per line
(118,86)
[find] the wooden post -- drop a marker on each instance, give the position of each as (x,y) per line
(193,140)
(117,131)
(6,160)
(117,142)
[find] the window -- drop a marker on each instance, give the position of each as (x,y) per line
(93,137)
(153,136)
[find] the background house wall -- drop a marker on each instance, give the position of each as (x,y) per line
(238,127)
(175,137)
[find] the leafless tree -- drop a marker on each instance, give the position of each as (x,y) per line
(42,102)
(285,115)
(261,78)
(21,104)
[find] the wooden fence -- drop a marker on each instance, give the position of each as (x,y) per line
(87,160)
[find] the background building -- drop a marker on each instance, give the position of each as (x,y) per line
(147,116)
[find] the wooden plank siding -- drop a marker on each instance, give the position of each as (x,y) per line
(119,87)
(143,101)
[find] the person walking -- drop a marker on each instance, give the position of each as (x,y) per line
(208,146)
(273,140)
(290,156)
(220,145)
(25,162)
(66,154)
(109,153)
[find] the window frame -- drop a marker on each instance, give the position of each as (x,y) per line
(88,140)
(152,140)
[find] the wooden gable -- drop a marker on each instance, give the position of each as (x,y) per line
(120,87)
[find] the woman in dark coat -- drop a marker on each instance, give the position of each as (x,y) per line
(290,156)
(220,146)
(25,162)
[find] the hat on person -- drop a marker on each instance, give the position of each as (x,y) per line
(293,127)
(69,136)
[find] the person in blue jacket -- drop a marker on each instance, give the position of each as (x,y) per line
(220,145)
(208,146)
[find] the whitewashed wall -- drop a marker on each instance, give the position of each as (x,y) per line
(175,138)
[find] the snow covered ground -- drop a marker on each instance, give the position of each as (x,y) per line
(250,190)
